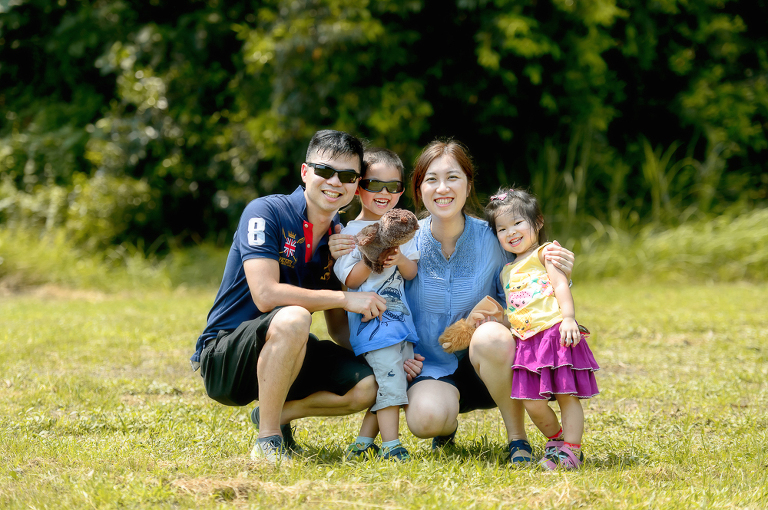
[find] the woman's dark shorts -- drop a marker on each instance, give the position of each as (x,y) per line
(228,365)
(472,391)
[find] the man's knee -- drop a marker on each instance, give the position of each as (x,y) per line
(363,395)
(290,326)
(426,424)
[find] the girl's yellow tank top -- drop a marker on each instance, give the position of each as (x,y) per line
(531,305)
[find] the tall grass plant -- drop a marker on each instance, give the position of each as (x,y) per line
(731,247)
(28,259)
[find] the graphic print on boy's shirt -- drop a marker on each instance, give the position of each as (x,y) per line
(396,309)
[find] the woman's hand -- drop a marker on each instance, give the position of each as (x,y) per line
(340,244)
(570,336)
(413,367)
(560,257)
(486,318)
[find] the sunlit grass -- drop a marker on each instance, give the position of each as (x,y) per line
(99,408)
(727,249)
(732,247)
(28,258)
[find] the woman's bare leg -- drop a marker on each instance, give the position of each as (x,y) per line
(433,409)
(491,352)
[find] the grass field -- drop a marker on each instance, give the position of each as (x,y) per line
(99,409)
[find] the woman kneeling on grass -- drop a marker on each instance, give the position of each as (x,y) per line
(459,265)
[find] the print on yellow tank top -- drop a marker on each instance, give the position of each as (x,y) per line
(531,305)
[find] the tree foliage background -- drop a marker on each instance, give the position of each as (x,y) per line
(152,122)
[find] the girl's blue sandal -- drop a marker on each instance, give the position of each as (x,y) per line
(520,452)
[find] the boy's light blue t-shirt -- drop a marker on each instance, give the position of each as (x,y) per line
(396,323)
(445,291)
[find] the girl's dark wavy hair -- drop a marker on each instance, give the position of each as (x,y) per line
(520,203)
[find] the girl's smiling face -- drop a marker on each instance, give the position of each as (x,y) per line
(378,203)
(515,233)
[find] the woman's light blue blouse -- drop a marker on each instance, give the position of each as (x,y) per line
(445,291)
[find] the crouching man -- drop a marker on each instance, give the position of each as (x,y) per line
(257,344)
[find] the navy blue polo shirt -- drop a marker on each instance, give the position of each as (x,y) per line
(273,227)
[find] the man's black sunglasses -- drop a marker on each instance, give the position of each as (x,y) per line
(375,186)
(326,172)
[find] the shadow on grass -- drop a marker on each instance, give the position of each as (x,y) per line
(478,450)
(617,462)
(482,450)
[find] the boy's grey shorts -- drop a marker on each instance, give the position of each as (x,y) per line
(387,365)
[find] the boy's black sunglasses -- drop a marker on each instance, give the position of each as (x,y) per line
(375,186)
(326,172)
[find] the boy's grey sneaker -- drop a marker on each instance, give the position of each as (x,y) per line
(359,451)
(443,441)
(272,449)
(398,453)
(286,429)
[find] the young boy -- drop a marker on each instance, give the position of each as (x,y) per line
(387,341)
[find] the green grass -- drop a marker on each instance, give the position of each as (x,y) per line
(99,409)
(29,258)
(731,247)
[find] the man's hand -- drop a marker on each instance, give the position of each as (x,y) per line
(340,244)
(560,257)
(368,304)
(413,367)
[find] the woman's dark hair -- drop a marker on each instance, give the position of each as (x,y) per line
(437,149)
(520,203)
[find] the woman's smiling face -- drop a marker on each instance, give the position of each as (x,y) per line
(445,188)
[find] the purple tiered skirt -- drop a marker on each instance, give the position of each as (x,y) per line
(543,368)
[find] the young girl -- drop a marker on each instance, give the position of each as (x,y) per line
(552,358)
(386,342)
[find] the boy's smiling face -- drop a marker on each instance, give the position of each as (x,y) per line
(376,204)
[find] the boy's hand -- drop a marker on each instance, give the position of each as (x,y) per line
(393,259)
(413,367)
(340,244)
(570,336)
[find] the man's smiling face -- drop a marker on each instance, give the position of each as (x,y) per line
(328,195)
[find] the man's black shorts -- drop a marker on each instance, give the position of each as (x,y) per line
(228,365)
(472,391)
